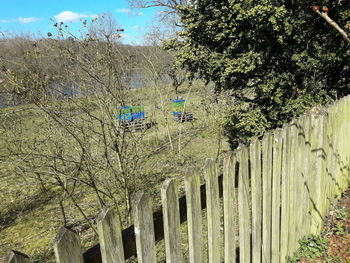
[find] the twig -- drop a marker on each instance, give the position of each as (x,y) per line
(325,16)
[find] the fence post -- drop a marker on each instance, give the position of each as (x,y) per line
(109,232)
(267,196)
(243,205)
(229,199)
(16,257)
(276,196)
(171,219)
(213,210)
(67,247)
(255,169)
(194,216)
(144,229)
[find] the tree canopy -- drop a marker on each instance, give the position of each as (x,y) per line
(278,58)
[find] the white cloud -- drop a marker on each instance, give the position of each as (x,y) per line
(69,16)
(124,10)
(4,21)
(139,14)
(136,27)
(26,20)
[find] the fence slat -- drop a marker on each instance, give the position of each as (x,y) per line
(346,133)
(16,257)
(285,193)
(110,236)
(229,199)
(299,187)
(276,196)
(292,238)
(339,143)
(323,156)
(317,139)
(144,229)
(171,219)
(332,159)
(213,211)
(306,152)
(67,247)
(256,188)
(194,216)
(243,205)
(342,151)
(267,196)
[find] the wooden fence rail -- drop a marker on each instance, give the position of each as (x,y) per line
(274,192)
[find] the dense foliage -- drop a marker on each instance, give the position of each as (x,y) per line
(277,57)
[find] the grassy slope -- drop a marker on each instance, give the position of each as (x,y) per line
(29,219)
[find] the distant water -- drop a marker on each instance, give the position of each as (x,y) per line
(2,105)
(136,81)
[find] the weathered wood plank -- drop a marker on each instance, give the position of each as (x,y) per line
(346,133)
(229,198)
(306,152)
(171,220)
(276,196)
(332,153)
(293,242)
(323,156)
(332,185)
(93,255)
(317,139)
(285,193)
(16,257)
(194,216)
(213,211)
(256,194)
(342,160)
(337,168)
(144,229)
(243,205)
(67,247)
(299,186)
(345,145)
(267,196)
(109,232)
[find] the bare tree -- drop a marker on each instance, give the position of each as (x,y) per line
(79,142)
(171,5)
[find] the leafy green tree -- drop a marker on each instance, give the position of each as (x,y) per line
(277,57)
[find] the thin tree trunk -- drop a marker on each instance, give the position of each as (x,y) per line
(63,213)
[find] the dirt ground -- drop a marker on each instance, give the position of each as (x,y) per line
(336,234)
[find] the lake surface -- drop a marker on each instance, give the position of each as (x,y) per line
(137,81)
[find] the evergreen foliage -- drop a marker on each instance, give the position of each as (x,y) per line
(277,57)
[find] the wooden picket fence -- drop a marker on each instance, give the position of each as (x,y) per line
(283,186)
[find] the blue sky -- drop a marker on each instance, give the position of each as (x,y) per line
(23,16)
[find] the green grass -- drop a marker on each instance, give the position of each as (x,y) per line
(29,218)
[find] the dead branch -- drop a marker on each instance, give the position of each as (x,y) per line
(325,16)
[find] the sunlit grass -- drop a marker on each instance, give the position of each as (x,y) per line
(33,218)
